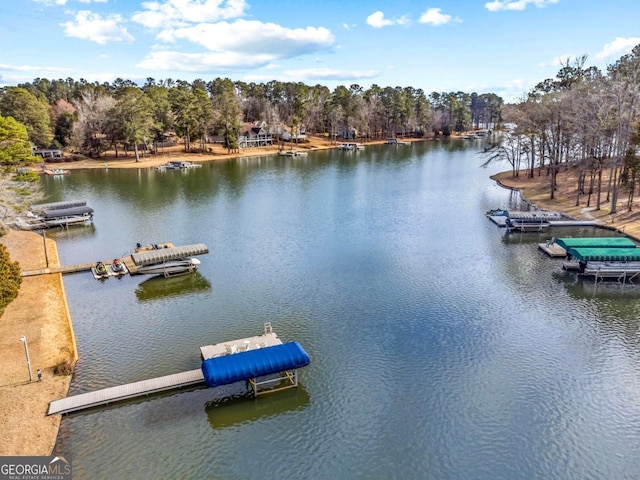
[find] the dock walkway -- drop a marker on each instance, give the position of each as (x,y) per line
(501,221)
(123,392)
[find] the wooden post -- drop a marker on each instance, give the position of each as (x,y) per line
(44,241)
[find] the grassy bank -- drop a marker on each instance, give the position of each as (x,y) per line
(537,191)
(40,314)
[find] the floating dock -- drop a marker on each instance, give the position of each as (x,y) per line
(552,249)
(144,256)
(124,392)
(223,363)
(537,217)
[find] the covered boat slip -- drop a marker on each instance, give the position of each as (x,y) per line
(41,207)
(66,212)
(534,216)
(558,247)
(283,360)
(605,254)
(594,242)
(621,264)
(161,255)
(244,359)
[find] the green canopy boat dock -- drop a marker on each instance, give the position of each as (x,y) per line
(558,247)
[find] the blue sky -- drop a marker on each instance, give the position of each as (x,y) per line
(499,46)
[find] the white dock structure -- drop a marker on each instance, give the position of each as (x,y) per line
(175,381)
(268,339)
(124,392)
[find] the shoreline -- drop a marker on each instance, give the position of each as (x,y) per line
(536,191)
(41,314)
(216,153)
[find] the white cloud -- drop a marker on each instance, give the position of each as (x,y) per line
(434,16)
(620,46)
(329,74)
(93,27)
(94,1)
(33,68)
(313,75)
(377,20)
(203,62)
(498,5)
(254,37)
(347,26)
(49,3)
(168,13)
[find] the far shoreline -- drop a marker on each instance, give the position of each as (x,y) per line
(216,153)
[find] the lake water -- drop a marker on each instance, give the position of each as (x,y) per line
(440,348)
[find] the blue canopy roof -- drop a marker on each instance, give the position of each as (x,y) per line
(253,363)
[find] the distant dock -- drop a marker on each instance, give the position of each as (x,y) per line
(160,252)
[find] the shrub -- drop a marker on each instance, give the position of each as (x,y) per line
(64,368)
(10,278)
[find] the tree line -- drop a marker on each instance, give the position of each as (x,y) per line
(91,118)
(583,119)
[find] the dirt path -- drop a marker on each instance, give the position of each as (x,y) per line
(40,314)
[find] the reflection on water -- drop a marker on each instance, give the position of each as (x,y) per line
(440,348)
(246,409)
(159,287)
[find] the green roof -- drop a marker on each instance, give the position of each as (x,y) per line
(595,242)
(606,254)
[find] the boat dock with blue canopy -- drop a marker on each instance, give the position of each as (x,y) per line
(254,358)
(250,365)
(263,360)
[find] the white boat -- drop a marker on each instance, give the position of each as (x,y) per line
(395,141)
(170,268)
(291,153)
(179,165)
(351,146)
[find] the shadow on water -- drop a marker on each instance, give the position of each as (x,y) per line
(159,287)
(247,409)
(581,288)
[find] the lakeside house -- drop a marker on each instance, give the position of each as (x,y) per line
(46,153)
(255,135)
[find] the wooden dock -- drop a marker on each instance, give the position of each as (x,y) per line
(131,267)
(124,392)
(501,221)
(78,267)
(552,249)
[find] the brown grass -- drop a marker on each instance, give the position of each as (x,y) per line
(40,314)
